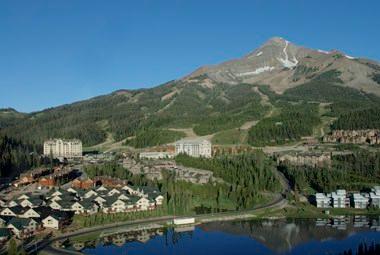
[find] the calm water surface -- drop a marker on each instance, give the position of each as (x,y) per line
(288,236)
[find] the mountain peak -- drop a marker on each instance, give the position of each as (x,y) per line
(276,39)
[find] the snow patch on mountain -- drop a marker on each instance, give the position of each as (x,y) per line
(349,57)
(259,54)
(257,71)
(285,61)
(324,51)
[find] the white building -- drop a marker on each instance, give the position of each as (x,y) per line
(193,147)
(339,199)
(156,155)
(63,148)
(360,201)
(375,196)
(322,201)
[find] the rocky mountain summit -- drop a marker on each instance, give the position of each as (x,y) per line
(283,65)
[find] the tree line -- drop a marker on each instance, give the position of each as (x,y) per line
(357,171)
(16,156)
(291,124)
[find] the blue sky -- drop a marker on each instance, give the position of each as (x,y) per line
(56,52)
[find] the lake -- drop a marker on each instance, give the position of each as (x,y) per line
(285,236)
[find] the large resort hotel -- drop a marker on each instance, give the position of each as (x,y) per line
(193,147)
(63,148)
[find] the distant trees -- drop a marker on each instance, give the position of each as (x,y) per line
(16,156)
(293,122)
(357,171)
(246,175)
(153,137)
(362,119)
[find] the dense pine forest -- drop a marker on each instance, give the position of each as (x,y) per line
(293,122)
(246,174)
(362,119)
(357,171)
(16,156)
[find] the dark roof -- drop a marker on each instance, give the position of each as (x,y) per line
(18,209)
(35,200)
(6,219)
(65,204)
(87,203)
(58,215)
(43,211)
(19,223)
(5,232)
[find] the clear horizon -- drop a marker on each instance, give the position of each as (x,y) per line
(55,53)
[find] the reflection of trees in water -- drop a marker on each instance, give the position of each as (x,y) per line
(363,249)
(173,236)
(277,235)
(283,235)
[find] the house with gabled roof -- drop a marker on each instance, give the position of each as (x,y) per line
(55,192)
(72,190)
(12,211)
(100,200)
(84,206)
(113,192)
(22,227)
(55,220)
(102,188)
(113,204)
(30,213)
(11,203)
(143,203)
(62,205)
(32,202)
(90,193)
(129,189)
(23,197)
(123,196)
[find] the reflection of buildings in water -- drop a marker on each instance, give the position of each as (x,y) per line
(375,224)
(119,240)
(361,221)
(339,223)
(184,229)
(78,246)
(282,235)
(342,222)
(143,237)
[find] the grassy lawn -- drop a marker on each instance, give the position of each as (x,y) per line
(231,136)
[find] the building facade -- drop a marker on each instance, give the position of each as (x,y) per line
(193,147)
(63,148)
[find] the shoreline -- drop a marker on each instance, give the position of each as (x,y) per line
(270,212)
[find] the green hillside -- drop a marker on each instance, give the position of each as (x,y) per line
(206,109)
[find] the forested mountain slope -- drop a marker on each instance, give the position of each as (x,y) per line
(216,98)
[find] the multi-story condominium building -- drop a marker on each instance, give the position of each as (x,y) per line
(322,201)
(375,196)
(360,201)
(339,199)
(63,148)
(193,147)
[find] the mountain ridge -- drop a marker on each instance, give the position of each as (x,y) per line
(214,98)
